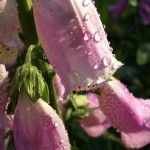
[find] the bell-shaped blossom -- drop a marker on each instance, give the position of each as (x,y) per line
(74,41)
(3,102)
(37,126)
(96,123)
(145,11)
(9,24)
(118,8)
(130,115)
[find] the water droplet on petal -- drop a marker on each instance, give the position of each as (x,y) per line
(86,2)
(87,36)
(105,62)
(61,141)
(97,37)
(96,66)
(111,49)
(104,26)
(87,16)
(56,124)
(74,77)
(51,115)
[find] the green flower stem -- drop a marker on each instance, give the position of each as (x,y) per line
(27,22)
(28,54)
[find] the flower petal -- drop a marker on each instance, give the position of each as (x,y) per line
(60,90)
(122,109)
(96,123)
(136,140)
(38,126)
(9,24)
(130,115)
(3,102)
(74,41)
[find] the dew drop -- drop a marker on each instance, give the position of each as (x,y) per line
(115,66)
(105,62)
(61,141)
(111,49)
(97,37)
(74,77)
(96,66)
(104,26)
(90,53)
(87,36)
(56,124)
(86,2)
(87,16)
(51,115)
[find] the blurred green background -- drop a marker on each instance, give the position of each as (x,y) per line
(130,39)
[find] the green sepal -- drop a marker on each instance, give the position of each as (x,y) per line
(31,78)
(78,114)
(35,84)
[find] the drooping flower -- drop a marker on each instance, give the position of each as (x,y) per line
(37,126)
(96,123)
(74,41)
(118,8)
(3,102)
(9,24)
(130,115)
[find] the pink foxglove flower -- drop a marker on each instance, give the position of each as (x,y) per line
(96,123)
(117,9)
(3,102)
(37,126)
(74,41)
(145,11)
(130,115)
(9,24)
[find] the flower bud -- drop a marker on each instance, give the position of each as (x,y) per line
(38,126)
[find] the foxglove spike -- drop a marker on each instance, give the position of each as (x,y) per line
(3,102)
(130,115)
(9,24)
(38,126)
(96,123)
(74,41)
